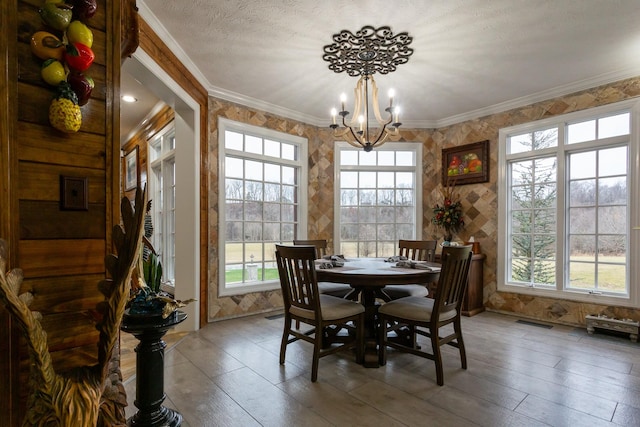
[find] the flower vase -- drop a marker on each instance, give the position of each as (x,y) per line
(448,237)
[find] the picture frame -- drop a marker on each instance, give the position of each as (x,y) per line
(131,169)
(466,164)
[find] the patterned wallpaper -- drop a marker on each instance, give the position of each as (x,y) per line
(479,201)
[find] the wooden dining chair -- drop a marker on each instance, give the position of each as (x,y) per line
(425,316)
(341,290)
(304,303)
(415,250)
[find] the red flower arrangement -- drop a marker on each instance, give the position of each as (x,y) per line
(449,215)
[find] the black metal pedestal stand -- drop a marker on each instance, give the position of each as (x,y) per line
(149,330)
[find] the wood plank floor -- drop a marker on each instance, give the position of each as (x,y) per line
(519,374)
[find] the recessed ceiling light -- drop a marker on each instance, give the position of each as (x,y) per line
(129,98)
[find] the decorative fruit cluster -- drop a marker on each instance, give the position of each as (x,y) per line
(469,163)
(65,50)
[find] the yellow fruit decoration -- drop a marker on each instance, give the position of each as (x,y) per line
(78,32)
(64,112)
(45,45)
(52,72)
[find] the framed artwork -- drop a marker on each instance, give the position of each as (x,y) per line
(466,164)
(131,169)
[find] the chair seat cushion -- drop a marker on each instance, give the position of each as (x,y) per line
(334,289)
(332,308)
(337,308)
(414,308)
(401,291)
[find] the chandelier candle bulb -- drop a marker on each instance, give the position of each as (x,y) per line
(397,114)
(361,121)
(391,95)
(343,99)
(333,115)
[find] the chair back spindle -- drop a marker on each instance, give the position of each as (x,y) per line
(418,250)
(319,244)
(456,261)
(298,277)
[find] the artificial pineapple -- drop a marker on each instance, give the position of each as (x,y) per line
(64,112)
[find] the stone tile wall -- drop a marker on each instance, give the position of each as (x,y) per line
(479,201)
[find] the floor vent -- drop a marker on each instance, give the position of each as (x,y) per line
(275,316)
(530,323)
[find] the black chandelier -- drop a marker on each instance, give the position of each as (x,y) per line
(364,53)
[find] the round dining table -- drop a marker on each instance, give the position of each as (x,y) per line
(368,277)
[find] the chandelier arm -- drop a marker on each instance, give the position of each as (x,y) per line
(376,106)
(357,94)
(354,144)
(382,134)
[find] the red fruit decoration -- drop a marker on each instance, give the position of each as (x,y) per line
(83,9)
(78,56)
(82,85)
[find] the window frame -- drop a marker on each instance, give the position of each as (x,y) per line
(560,289)
(163,238)
(301,165)
(416,147)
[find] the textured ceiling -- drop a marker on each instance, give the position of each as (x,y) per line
(471,57)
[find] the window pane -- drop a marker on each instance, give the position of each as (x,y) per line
(233,167)
(271,148)
(519,143)
(367,180)
(234,210)
(386,179)
(253,144)
(612,191)
(612,161)
(349,157)
(272,192)
(582,165)
(521,172)
(289,152)
(234,189)
(613,126)
(271,172)
(367,159)
(233,140)
(612,219)
(582,193)
(404,180)
(405,158)
(386,158)
(580,132)
(545,139)
(582,248)
(253,170)
(288,175)
(271,212)
(582,220)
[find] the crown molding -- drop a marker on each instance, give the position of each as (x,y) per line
(544,95)
(155,24)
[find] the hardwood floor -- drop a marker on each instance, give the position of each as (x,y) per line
(520,374)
